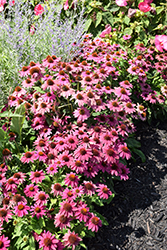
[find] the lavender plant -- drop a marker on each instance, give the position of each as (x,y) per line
(25,36)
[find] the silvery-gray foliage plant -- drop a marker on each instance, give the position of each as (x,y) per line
(50,36)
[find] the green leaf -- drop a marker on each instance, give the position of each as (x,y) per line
(126,20)
(132,143)
(114,8)
(128,31)
(98,18)
(140,153)
(83,245)
(87,24)
(3,134)
(159,9)
(9,114)
(17,122)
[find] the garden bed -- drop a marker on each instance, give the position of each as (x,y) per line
(137,215)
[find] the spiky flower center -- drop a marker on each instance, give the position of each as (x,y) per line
(63,219)
(42,197)
(57,187)
(95,220)
(72,177)
(47,242)
(67,207)
(3,213)
(21,207)
(72,238)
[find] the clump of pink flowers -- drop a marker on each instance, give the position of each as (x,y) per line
(80,114)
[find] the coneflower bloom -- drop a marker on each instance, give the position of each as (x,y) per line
(47,241)
(103,191)
(21,209)
(61,221)
(124,173)
(71,239)
(110,154)
(37,176)
(52,169)
(11,184)
(4,242)
(82,212)
(78,166)
(81,114)
(89,188)
(41,156)
(28,157)
(68,194)
(6,153)
(38,210)
(82,153)
(94,223)
(67,208)
(50,85)
(19,91)
(124,152)
(41,198)
(30,190)
(57,189)
(5,214)
(19,177)
(71,179)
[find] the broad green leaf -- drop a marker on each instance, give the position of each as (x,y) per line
(3,134)
(114,9)
(132,143)
(159,9)
(17,122)
(87,24)
(126,20)
(128,31)
(98,18)
(140,153)
(104,222)
(9,114)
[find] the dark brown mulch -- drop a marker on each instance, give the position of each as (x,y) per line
(137,216)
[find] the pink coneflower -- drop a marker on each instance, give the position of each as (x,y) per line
(50,85)
(72,142)
(28,157)
(124,152)
(110,154)
(52,169)
(80,98)
(82,153)
(41,156)
(57,189)
(19,91)
(37,210)
(65,159)
(17,198)
(103,191)
(37,176)
(78,191)
(124,173)
(126,84)
(67,208)
(41,198)
(47,241)
(71,239)
(61,144)
(21,209)
(68,194)
(6,153)
(4,242)
(31,190)
(71,179)
(89,188)
(41,143)
(81,114)
(94,223)
(5,214)
(11,184)
(82,212)
(43,107)
(2,176)
(61,221)
(78,166)
(122,93)
(28,83)
(115,168)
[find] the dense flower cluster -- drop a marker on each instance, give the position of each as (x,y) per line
(81,114)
